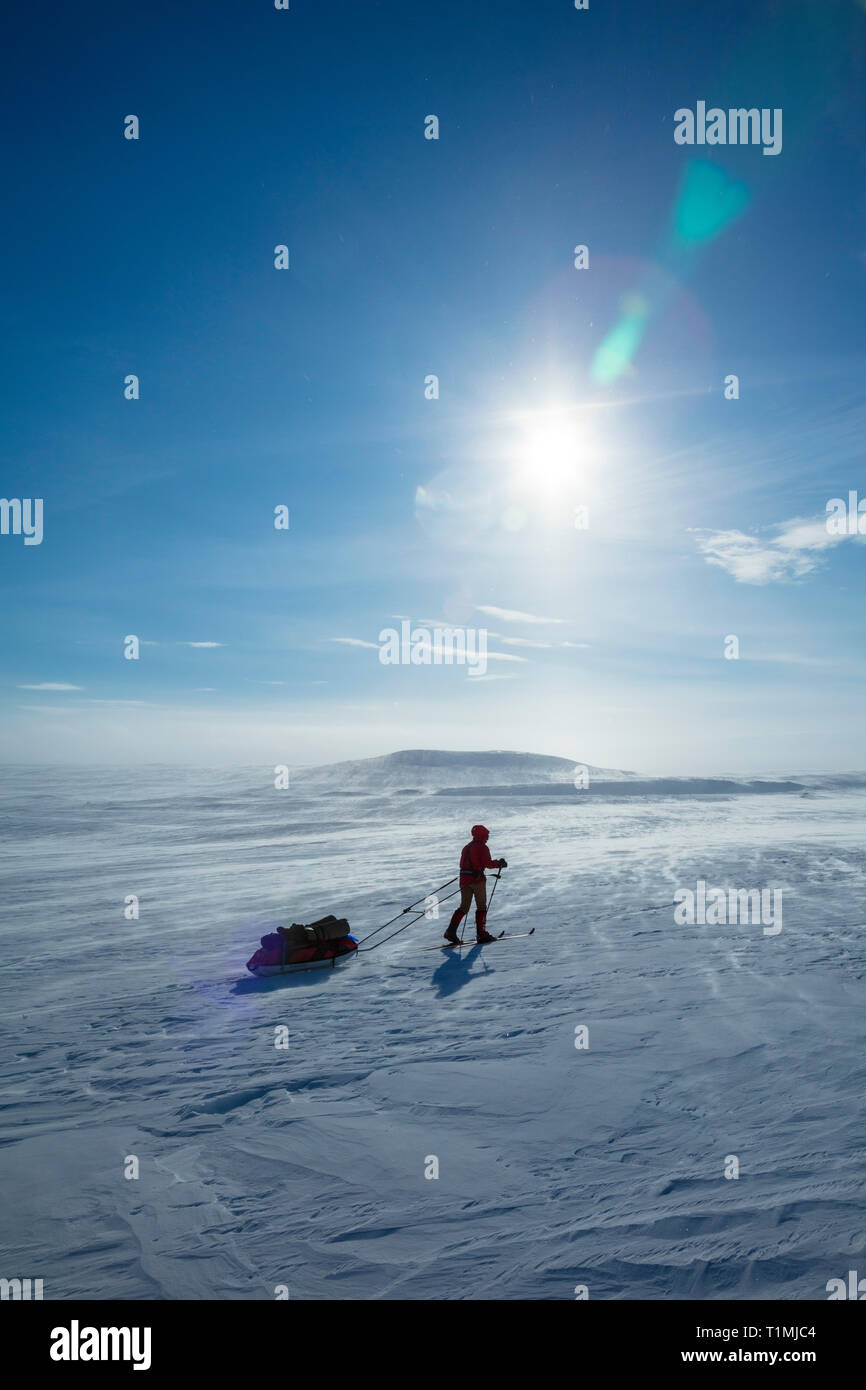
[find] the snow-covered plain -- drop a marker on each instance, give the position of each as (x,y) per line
(305,1166)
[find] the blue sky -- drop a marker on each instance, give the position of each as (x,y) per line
(453,257)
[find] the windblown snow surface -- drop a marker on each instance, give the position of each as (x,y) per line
(305,1166)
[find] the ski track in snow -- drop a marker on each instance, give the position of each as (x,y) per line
(305,1166)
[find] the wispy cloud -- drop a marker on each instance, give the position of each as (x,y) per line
(535,642)
(437,649)
(526,642)
(511,615)
(93,700)
(434,649)
(199,644)
(505,656)
(789,658)
(51,685)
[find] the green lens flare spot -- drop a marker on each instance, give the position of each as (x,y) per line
(709,201)
(619,348)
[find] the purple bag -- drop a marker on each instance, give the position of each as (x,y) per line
(269,953)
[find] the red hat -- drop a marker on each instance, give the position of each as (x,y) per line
(480,832)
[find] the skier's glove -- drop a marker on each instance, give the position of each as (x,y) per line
(503,863)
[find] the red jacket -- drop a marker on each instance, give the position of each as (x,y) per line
(474,859)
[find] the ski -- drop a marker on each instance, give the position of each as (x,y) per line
(503,936)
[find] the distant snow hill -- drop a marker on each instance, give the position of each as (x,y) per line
(503,773)
(431,769)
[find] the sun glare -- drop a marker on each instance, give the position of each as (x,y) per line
(553,454)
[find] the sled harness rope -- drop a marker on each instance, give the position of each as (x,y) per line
(418,915)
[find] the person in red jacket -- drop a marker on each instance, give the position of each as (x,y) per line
(474,859)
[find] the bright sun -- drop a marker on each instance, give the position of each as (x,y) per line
(553,454)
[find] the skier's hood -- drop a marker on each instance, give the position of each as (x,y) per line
(480,832)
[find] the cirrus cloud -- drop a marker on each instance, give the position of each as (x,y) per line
(51,685)
(511,615)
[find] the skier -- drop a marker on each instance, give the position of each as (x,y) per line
(474,859)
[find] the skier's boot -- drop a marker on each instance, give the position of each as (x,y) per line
(451,933)
(481,933)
